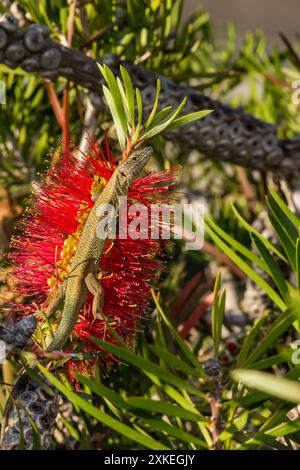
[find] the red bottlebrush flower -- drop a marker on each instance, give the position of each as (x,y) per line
(42,254)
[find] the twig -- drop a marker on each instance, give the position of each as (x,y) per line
(277,81)
(247,188)
(58,112)
(216,418)
(196,315)
(66,126)
(187,291)
(88,43)
(212,250)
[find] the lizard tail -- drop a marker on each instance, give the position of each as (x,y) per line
(67,323)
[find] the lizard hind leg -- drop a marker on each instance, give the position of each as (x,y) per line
(95,288)
(56,301)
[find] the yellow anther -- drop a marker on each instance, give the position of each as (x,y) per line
(51,281)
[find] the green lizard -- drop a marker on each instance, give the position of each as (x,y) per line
(85,264)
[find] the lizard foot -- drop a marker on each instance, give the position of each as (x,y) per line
(95,288)
(56,302)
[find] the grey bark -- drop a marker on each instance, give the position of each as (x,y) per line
(227,134)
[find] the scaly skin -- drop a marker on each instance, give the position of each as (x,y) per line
(85,264)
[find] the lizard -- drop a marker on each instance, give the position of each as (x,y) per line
(84,268)
(85,264)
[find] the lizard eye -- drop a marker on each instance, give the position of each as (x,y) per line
(122,173)
(134,158)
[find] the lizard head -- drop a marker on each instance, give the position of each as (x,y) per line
(133,165)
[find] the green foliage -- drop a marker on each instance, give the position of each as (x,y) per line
(152,423)
(160,396)
(286,226)
(276,386)
(173,411)
(178,387)
(218,311)
(121,102)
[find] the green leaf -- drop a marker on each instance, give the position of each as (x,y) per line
(187,119)
(279,429)
(103,391)
(139,107)
(298,264)
(147,366)
(100,415)
(287,244)
(281,324)
(282,219)
(250,339)
(125,103)
(282,429)
(247,269)
(154,109)
(274,269)
(161,115)
(115,103)
(266,242)
(271,361)
(273,385)
(285,209)
(116,118)
(163,407)
(171,430)
(175,361)
(238,246)
(129,93)
(163,126)
(182,345)
(260,397)
(217,314)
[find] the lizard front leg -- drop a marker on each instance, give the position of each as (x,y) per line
(95,288)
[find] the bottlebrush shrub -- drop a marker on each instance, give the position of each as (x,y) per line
(42,253)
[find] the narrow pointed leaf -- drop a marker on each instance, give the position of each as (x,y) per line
(247,269)
(100,415)
(274,269)
(129,93)
(147,366)
(285,209)
(273,385)
(182,345)
(154,109)
(188,119)
(282,219)
(163,408)
(266,242)
(218,311)
(164,125)
(116,118)
(238,246)
(298,264)
(174,361)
